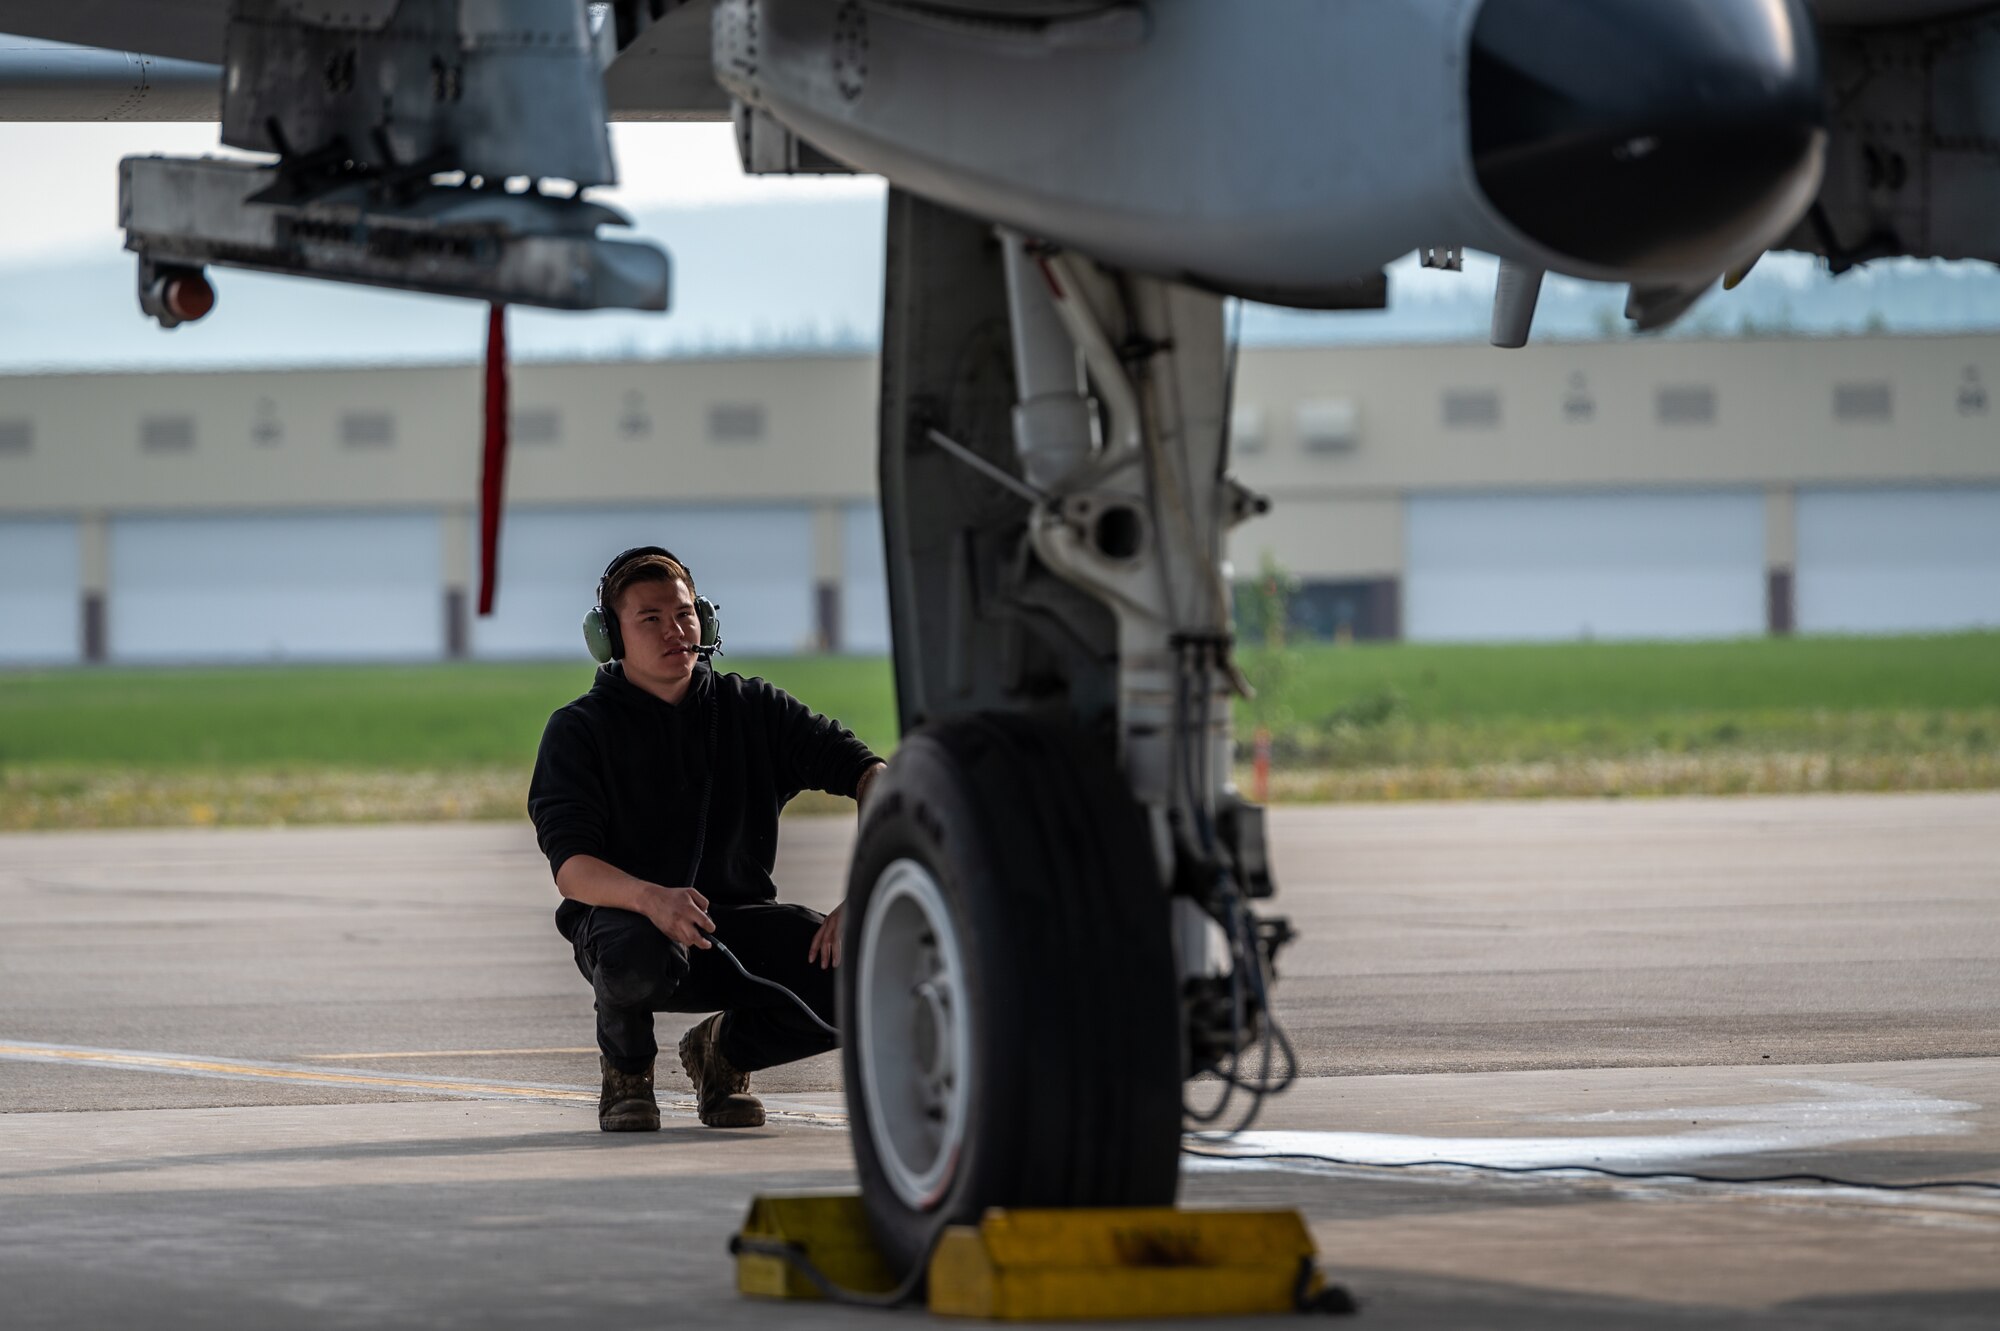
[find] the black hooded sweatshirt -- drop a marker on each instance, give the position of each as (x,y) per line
(620,776)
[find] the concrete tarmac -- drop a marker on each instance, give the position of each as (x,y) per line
(342,1077)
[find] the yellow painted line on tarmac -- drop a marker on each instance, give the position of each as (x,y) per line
(176,1064)
(447,1053)
(190,1065)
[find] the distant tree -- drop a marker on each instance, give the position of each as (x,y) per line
(1264,611)
(1264,606)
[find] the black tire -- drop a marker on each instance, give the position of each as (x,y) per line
(1043,862)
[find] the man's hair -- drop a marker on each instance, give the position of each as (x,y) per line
(646,568)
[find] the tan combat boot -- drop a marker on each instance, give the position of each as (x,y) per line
(722,1094)
(626,1103)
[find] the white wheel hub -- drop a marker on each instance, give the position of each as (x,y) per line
(913,1033)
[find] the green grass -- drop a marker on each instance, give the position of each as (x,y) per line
(1467,705)
(1628,680)
(318,744)
(394,718)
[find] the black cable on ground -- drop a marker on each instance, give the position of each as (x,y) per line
(1682,1175)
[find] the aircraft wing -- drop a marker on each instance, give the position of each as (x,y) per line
(177,29)
(661,70)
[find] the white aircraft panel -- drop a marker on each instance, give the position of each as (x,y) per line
(41,601)
(311,587)
(1898,561)
(754,562)
(1565,566)
(864,583)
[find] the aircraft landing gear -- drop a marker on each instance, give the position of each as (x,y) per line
(1047,928)
(1015,1028)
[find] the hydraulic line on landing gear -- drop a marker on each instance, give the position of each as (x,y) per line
(1251,946)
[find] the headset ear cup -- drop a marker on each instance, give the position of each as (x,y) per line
(706,611)
(597,636)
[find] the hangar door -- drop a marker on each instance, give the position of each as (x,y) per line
(307,586)
(1898,561)
(41,606)
(864,580)
(1561,566)
(755,562)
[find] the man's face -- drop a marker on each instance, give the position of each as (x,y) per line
(661,631)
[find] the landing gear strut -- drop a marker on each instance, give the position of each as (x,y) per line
(1048,928)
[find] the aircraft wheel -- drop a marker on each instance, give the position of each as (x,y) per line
(1012,1015)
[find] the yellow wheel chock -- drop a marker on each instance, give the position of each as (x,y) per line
(1036,1265)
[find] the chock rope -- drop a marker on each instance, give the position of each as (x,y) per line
(794,1255)
(493,464)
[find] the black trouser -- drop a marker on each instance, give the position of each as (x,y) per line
(636,971)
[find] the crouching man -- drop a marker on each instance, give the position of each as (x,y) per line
(656,798)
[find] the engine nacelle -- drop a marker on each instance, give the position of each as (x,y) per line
(1288,150)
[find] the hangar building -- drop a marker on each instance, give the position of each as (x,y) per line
(1606,489)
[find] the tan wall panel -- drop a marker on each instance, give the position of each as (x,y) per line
(1774,422)
(819,440)
(1322,537)
(1775,426)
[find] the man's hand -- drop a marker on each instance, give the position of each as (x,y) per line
(825,947)
(681,913)
(867,780)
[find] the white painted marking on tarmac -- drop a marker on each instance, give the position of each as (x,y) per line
(1836,1113)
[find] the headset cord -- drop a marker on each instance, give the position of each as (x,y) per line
(798,1002)
(792,1254)
(1663,1175)
(700,842)
(714,710)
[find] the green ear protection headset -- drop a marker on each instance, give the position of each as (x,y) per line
(600,626)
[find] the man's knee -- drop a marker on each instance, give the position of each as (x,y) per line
(639,973)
